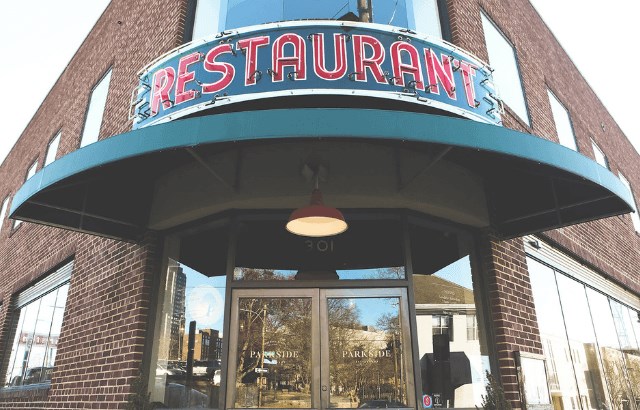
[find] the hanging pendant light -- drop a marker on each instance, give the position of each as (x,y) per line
(316,219)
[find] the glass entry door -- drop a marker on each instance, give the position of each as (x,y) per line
(320,348)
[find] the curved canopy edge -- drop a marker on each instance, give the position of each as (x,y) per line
(518,168)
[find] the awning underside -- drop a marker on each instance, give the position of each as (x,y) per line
(531,184)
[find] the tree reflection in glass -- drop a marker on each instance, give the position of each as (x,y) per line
(274,353)
(622,318)
(612,358)
(582,342)
(366,363)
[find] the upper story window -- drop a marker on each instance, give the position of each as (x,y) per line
(35,329)
(207,18)
(426,17)
(599,155)
(95,111)
(634,215)
(52,149)
(563,122)
(213,16)
(506,75)
(3,211)
(242,13)
(31,172)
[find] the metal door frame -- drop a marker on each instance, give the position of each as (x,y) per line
(320,399)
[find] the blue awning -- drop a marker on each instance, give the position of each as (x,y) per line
(532,184)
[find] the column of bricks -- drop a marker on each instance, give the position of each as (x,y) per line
(510,303)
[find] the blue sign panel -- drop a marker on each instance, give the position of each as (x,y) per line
(315,58)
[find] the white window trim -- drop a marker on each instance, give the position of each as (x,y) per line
(572,143)
(3,211)
(525,117)
(221,23)
(635,218)
(86,138)
(52,154)
(32,170)
(564,263)
(596,151)
(58,278)
(412,16)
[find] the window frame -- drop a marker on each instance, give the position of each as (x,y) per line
(107,73)
(574,140)
(192,18)
(439,330)
(44,286)
(3,210)
(48,158)
(516,59)
(635,218)
(442,15)
(474,327)
(596,150)
(31,171)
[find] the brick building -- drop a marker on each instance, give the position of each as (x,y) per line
(488,213)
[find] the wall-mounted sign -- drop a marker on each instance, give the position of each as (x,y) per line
(314,58)
(532,377)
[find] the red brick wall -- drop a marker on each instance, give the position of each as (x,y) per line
(107,309)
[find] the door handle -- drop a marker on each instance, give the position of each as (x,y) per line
(324,388)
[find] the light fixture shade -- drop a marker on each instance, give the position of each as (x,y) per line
(316,219)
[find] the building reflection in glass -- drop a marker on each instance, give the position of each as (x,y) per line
(453,356)
(366,360)
(589,342)
(183,379)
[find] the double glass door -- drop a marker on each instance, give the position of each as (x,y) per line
(320,348)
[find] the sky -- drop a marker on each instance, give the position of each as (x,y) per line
(50,32)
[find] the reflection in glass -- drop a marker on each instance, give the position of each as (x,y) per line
(623,319)
(396,272)
(453,356)
(612,358)
(370,249)
(182,379)
(582,342)
(632,354)
(274,353)
(562,382)
(241,13)
(36,340)
(206,18)
(427,17)
(366,362)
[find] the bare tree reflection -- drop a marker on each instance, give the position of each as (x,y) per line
(274,352)
(365,361)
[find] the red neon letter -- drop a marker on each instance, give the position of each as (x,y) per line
(160,88)
(468,71)
(297,60)
(413,68)
(226,69)
(373,62)
(340,57)
(251,46)
(440,73)
(184,77)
